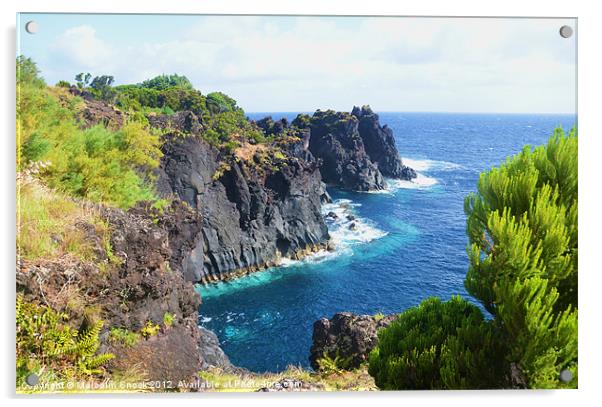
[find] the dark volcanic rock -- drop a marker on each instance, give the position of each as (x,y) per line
(249,219)
(348,336)
(128,287)
(335,140)
(380,145)
(211,353)
(97,112)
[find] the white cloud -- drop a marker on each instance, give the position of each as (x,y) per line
(303,63)
(81,45)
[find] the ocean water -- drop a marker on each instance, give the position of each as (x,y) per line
(409,242)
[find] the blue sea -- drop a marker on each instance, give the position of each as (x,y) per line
(409,243)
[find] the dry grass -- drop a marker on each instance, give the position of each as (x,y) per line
(46,223)
(356,380)
(247,151)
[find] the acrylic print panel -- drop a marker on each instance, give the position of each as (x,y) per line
(361,203)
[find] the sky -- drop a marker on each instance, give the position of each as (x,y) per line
(294,63)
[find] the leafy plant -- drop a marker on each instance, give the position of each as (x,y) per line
(150,329)
(168,319)
(44,340)
(124,336)
(329,365)
(439,345)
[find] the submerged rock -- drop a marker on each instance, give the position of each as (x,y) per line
(346,336)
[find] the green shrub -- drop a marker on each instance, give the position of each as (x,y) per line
(124,336)
(522,227)
(168,319)
(150,329)
(438,345)
(328,365)
(163,82)
(114,167)
(46,343)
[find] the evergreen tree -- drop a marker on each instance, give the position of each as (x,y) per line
(522,228)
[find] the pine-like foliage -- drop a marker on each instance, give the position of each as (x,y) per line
(46,342)
(522,227)
(438,345)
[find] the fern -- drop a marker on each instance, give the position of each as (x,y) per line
(45,341)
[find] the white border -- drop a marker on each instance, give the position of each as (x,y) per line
(589,155)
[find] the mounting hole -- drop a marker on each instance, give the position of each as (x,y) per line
(566,376)
(566,31)
(32,27)
(32,379)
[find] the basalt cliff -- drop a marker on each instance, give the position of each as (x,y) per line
(261,203)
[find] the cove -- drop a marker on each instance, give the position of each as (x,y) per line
(408,242)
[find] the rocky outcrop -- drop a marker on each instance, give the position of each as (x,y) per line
(354,150)
(253,213)
(346,337)
(97,112)
(335,140)
(380,144)
(212,354)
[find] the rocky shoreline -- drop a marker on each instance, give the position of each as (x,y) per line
(230,213)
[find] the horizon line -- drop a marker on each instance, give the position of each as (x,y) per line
(423,111)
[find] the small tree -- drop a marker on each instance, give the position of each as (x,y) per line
(101,86)
(82,79)
(522,227)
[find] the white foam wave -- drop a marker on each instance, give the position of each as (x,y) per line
(426,164)
(345,227)
(421,181)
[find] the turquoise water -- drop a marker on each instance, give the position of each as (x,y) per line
(409,242)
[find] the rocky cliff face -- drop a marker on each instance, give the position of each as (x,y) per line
(380,144)
(253,212)
(335,140)
(128,284)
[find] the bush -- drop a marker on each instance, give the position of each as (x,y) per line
(438,345)
(522,227)
(123,336)
(168,319)
(114,167)
(47,345)
(150,329)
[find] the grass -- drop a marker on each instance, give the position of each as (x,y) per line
(47,225)
(124,336)
(357,380)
